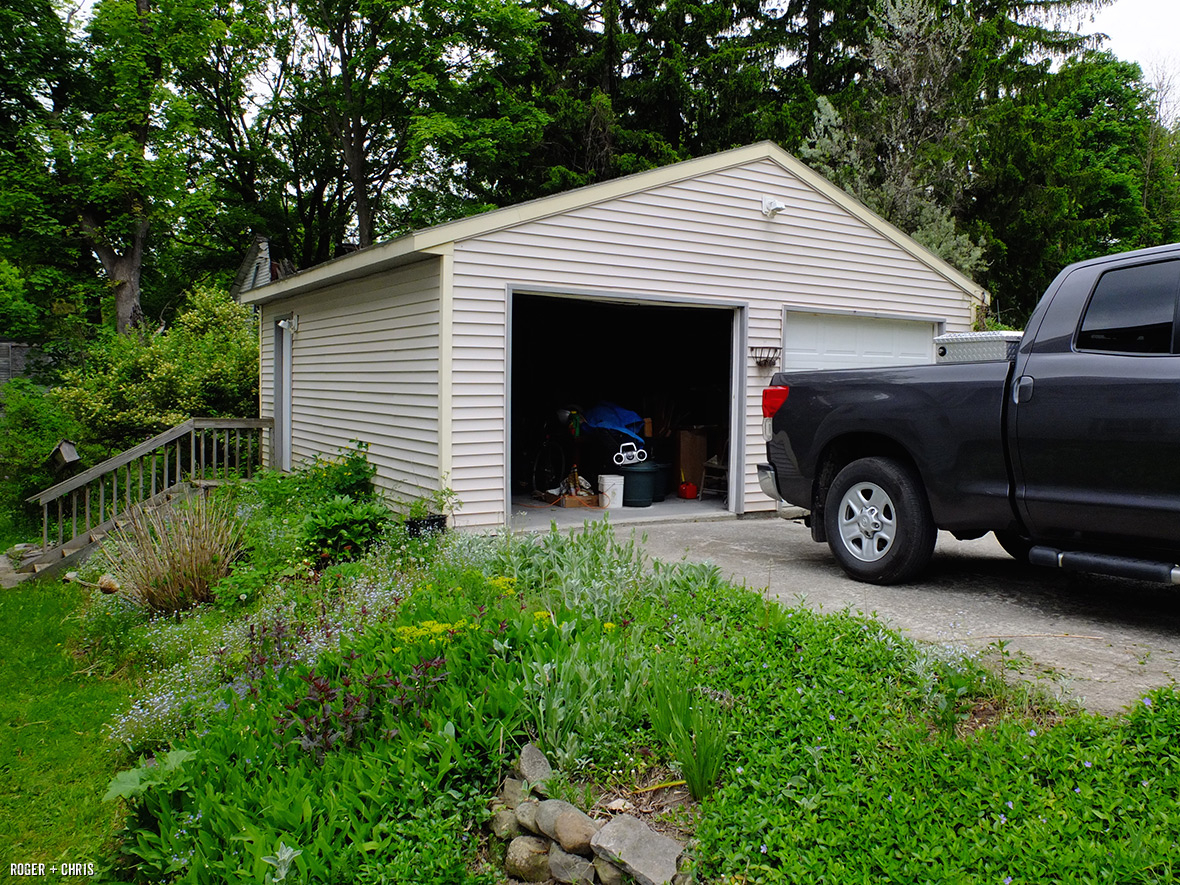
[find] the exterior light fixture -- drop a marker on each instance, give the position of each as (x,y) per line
(772,207)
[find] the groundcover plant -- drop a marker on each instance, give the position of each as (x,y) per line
(349,723)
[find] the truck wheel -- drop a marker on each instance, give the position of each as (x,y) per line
(878,521)
(1015,545)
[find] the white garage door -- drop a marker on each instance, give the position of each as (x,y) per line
(834,341)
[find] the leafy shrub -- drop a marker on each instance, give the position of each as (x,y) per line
(346,474)
(591,572)
(341,529)
(168,559)
(131,387)
(349,473)
(31,424)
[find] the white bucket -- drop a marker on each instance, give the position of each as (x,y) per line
(610,490)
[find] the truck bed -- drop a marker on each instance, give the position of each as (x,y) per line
(947,418)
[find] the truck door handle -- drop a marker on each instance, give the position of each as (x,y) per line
(1022,391)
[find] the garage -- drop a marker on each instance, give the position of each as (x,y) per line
(459,351)
(668,363)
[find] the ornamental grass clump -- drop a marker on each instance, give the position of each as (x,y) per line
(695,729)
(168,559)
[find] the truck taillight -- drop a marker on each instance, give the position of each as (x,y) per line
(772,400)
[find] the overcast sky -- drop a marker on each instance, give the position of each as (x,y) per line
(1146,31)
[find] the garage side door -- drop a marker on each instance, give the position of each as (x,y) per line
(833,341)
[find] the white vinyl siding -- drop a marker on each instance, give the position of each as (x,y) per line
(701,239)
(365,367)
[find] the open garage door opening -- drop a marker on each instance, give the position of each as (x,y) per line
(591,376)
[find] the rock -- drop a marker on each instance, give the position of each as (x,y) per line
(574,831)
(631,845)
(547,814)
(608,873)
(566,867)
(505,825)
(617,805)
(526,815)
(534,768)
(528,859)
(513,792)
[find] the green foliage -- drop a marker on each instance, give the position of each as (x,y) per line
(894,148)
(591,571)
(20,320)
(1075,168)
(695,729)
(341,529)
(699,745)
(134,782)
(348,474)
(431,846)
(31,425)
(581,690)
(354,722)
(368,734)
(132,387)
(441,501)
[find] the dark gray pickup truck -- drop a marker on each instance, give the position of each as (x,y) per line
(1069,452)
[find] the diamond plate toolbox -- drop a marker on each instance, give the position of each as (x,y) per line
(976,347)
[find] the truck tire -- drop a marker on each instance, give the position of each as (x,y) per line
(878,521)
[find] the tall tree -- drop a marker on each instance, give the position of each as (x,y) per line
(393,85)
(900,148)
(1062,177)
(102,154)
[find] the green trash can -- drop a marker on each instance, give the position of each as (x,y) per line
(663,482)
(639,484)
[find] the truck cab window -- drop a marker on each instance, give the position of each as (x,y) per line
(1133,310)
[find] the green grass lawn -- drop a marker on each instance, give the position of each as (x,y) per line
(54,763)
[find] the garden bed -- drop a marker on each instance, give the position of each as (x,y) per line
(362,713)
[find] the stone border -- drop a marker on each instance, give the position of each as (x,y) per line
(552,840)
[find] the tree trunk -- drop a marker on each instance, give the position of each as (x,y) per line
(123,270)
(128,313)
(358,173)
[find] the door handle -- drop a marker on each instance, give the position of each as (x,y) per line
(1022,390)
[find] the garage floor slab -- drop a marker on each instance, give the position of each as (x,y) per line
(529,515)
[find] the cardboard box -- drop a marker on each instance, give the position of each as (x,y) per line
(691,451)
(579,501)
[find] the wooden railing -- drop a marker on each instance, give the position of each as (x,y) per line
(199,450)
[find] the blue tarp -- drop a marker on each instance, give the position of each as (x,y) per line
(610,416)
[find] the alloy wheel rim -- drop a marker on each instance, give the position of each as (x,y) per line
(868,521)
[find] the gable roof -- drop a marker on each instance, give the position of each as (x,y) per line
(416,245)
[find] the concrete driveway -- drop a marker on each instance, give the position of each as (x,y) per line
(1101,642)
